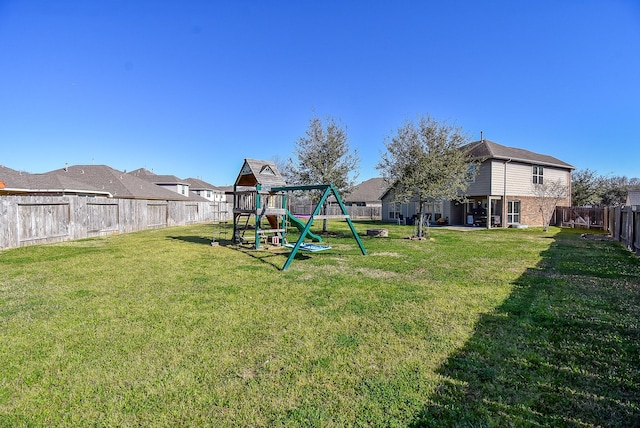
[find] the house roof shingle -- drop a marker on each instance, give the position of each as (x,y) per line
(370,190)
(13,179)
(197,184)
(154,178)
(118,183)
(22,182)
(491,150)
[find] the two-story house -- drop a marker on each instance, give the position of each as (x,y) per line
(208,191)
(502,193)
(169,182)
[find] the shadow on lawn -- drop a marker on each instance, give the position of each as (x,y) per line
(192,239)
(269,257)
(265,256)
(563,350)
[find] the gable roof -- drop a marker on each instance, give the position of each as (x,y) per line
(17,182)
(261,172)
(154,178)
(486,149)
(118,183)
(370,190)
(633,197)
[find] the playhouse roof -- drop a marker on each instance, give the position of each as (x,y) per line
(264,173)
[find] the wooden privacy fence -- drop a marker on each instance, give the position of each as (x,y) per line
(624,225)
(581,217)
(29,220)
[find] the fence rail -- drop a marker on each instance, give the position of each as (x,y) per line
(29,220)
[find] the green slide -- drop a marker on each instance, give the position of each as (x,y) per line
(300,226)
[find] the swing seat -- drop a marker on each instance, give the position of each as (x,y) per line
(313,248)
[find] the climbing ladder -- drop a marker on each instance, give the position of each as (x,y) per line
(240,229)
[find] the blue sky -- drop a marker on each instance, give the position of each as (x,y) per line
(191,88)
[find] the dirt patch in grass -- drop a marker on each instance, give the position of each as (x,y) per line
(386,254)
(375,273)
(597,237)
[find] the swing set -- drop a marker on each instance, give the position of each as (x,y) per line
(327,190)
(261,192)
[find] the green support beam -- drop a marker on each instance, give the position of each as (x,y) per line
(258,216)
(328,189)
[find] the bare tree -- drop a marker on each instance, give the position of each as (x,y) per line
(547,196)
(323,156)
(425,162)
(281,164)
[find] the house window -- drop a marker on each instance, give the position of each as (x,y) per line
(538,174)
(434,210)
(471,173)
(513,212)
(394,210)
(208,193)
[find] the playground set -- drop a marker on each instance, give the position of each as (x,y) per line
(260,192)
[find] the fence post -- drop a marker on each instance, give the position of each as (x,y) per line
(635,224)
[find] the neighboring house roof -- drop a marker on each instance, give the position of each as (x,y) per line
(261,172)
(118,183)
(17,182)
(163,180)
(197,184)
(228,191)
(633,197)
(370,190)
(151,177)
(486,149)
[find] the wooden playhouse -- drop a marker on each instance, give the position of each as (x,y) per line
(253,201)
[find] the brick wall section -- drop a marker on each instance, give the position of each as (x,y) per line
(530,210)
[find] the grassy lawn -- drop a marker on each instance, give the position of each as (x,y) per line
(478,328)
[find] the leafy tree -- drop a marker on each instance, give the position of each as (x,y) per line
(586,188)
(547,196)
(323,156)
(425,162)
(589,188)
(615,190)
